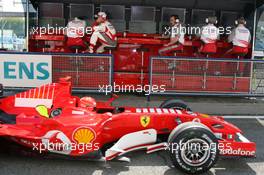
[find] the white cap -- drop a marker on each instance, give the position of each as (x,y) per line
(101,14)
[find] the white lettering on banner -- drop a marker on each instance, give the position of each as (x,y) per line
(25,70)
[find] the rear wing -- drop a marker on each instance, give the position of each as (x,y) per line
(50,95)
(44,95)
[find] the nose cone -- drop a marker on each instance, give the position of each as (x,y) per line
(227,127)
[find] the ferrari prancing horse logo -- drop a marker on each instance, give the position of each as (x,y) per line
(144,120)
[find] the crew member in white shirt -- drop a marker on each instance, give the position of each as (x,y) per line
(176,36)
(209,36)
(103,32)
(240,37)
(75,32)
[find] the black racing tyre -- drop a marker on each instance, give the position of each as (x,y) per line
(175,104)
(193,149)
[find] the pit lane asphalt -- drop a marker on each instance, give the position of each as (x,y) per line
(156,163)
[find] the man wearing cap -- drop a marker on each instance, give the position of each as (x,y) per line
(104,32)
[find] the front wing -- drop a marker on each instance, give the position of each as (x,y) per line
(241,147)
(146,139)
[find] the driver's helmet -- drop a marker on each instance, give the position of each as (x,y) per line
(87,102)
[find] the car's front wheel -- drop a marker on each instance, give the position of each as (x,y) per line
(193,148)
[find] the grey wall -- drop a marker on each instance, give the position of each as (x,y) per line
(202,4)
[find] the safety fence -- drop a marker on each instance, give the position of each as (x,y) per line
(195,76)
(88,71)
(178,75)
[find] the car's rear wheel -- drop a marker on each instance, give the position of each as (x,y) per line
(193,148)
(175,104)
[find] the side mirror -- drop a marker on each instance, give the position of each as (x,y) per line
(114,96)
(42,110)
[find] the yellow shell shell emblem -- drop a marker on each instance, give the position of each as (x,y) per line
(144,120)
(84,135)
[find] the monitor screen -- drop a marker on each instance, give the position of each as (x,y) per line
(199,16)
(114,12)
(148,27)
(52,10)
(142,13)
(82,10)
(228,18)
(167,12)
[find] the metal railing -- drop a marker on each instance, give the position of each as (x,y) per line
(257,78)
(186,76)
(207,76)
(88,72)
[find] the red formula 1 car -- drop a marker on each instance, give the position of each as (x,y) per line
(50,119)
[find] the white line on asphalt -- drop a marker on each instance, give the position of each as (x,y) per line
(260,121)
(242,117)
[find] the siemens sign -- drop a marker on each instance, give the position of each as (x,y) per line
(25,71)
(20,70)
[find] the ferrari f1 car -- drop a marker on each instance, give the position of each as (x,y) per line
(50,119)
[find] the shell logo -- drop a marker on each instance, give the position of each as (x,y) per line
(84,135)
